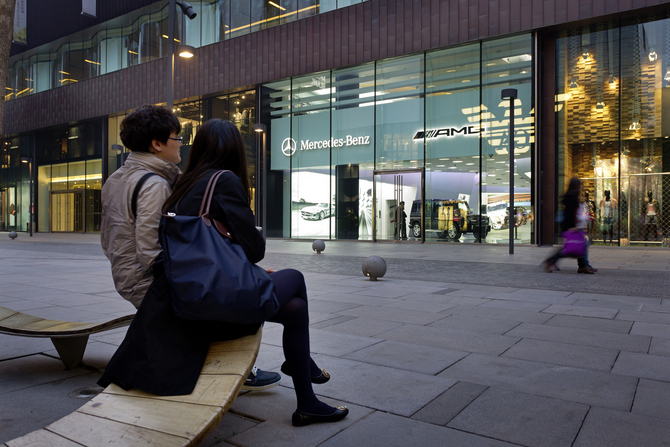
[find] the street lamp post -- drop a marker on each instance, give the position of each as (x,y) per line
(511,94)
(30,179)
(261,129)
(183,50)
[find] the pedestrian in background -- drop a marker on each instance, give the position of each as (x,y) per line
(573,222)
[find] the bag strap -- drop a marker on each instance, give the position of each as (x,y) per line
(209,192)
(136,192)
(207,202)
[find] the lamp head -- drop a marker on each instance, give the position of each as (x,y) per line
(187,9)
(260,128)
(25,160)
(185,51)
(509,93)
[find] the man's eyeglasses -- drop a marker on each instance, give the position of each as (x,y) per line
(180,139)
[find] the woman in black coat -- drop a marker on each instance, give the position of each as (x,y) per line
(570,219)
(156,334)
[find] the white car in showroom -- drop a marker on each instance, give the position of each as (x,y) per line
(315,212)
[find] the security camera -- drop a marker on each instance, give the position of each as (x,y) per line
(187,9)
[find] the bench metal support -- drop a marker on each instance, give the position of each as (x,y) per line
(70,349)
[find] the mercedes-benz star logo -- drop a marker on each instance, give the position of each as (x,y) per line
(288,147)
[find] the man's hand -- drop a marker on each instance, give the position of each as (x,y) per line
(270,270)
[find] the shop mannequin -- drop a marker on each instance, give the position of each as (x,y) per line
(608,212)
(589,211)
(237,116)
(651,209)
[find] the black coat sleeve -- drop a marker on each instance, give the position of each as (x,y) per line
(230,205)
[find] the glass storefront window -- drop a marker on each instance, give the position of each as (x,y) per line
(612,92)
(507,63)
(448,162)
(452,139)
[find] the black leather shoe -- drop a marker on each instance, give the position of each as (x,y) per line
(301,419)
(323,377)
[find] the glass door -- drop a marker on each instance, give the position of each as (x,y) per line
(67,211)
(397,205)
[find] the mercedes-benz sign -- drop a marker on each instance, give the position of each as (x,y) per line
(288,146)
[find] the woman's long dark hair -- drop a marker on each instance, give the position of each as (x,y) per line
(574,186)
(218,145)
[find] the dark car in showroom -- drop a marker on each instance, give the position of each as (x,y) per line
(449,219)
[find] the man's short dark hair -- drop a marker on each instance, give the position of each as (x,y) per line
(148,123)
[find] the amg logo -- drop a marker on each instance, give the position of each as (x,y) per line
(449,132)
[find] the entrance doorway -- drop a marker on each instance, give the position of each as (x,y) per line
(395,194)
(66,211)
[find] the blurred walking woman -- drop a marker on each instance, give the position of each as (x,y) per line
(571,222)
(219,145)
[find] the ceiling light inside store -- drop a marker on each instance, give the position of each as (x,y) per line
(458,161)
(276,6)
(635,125)
(652,56)
(519,58)
(573,84)
(585,55)
(166,37)
(600,105)
(612,82)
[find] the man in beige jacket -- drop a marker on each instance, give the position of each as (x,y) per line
(129,235)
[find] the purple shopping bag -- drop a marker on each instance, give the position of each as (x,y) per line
(574,244)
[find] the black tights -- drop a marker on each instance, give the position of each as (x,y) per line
(293,315)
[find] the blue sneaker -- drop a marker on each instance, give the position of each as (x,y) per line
(260,380)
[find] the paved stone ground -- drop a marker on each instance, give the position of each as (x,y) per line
(457,345)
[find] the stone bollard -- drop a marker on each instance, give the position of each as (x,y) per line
(374,267)
(13,235)
(318,246)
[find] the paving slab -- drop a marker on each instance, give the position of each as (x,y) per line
(230,425)
(438,337)
(522,418)
(516,305)
(645,317)
(410,357)
(652,398)
(599,359)
(384,430)
(365,327)
(582,311)
(561,382)
(643,365)
(475,324)
(585,337)
(391,314)
(660,346)
(596,324)
(654,330)
(501,314)
(611,428)
(448,404)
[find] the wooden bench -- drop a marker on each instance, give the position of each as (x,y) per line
(69,338)
(135,418)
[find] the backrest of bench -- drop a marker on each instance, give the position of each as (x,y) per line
(136,418)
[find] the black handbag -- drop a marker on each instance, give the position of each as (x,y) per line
(209,275)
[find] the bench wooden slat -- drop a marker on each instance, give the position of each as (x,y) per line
(174,418)
(228,364)
(4,313)
(209,390)
(42,438)
(94,431)
(18,319)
